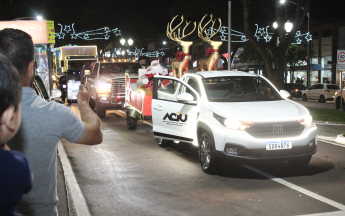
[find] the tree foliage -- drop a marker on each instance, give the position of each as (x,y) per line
(273,10)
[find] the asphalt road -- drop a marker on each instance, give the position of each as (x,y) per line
(129,174)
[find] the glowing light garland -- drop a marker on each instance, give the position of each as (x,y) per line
(120,51)
(54,49)
(98,34)
(260,34)
(224,34)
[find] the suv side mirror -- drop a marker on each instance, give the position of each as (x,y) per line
(185,98)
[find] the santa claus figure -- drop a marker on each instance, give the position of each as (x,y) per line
(154,69)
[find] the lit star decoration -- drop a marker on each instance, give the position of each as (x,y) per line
(308,37)
(118,52)
(261,33)
(60,35)
(224,34)
(147,54)
(98,34)
(298,37)
(67,28)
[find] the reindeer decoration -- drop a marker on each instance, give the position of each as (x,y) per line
(210,62)
(180,64)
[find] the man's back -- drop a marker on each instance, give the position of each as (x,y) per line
(43,123)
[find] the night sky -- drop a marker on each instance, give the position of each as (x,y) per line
(144,19)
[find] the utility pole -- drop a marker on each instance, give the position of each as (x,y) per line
(229,36)
(308,52)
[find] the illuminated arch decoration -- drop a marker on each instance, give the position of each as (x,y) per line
(240,37)
(136,52)
(98,34)
(299,38)
(260,34)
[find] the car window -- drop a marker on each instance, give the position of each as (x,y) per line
(170,89)
(194,84)
(333,87)
(313,87)
(117,67)
(239,88)
(319,86)
(95,68)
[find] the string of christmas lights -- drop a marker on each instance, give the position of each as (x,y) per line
(119,51)
(260,34)
(98,34)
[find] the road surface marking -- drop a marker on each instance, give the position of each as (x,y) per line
(336,213)
(298,188)
(329,140)
(77,197)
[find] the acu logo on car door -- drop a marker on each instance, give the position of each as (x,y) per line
(175,119)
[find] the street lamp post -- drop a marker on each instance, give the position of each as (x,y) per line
(123,42)
(174,45)
(308,52)
(288,26)
(308,41)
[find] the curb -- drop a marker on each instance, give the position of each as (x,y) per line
(330,123)
(334,140)
(76,196)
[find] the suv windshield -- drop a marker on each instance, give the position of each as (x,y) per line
(119,67)
(239,88)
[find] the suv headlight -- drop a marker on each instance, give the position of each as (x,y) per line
(233,124)
(306,121)
(104,87)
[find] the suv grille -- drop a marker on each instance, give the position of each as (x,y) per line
(276,129)
(118,86)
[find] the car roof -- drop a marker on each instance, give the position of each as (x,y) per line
(293,84)
(121,62)
(209,74)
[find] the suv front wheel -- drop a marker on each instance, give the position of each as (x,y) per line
(305,98)
(131,122)
(322,99)
(337,104)
(207,153)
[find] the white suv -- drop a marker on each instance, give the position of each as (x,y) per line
(234,115)
(321,92)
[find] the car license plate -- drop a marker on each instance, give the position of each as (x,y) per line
(278,145)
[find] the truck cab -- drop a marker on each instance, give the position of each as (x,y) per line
(106,85)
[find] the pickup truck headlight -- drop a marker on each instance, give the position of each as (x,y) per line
(233,124)
(306,121)
(104,88)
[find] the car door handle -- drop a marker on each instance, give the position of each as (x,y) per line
(158,109)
